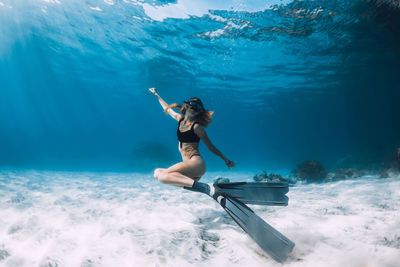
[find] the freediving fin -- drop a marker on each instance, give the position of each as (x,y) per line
(270,194)
(269,239)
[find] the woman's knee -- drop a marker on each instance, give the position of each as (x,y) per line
(161,175)
(157,172)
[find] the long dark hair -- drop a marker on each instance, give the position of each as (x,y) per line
(203,116)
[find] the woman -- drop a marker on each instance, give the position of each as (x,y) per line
(191,123)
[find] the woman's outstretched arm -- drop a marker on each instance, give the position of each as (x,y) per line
(164,105)
(199,130)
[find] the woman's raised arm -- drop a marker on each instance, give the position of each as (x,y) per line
(164,105)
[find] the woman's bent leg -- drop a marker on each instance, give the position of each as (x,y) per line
(181,174)
(175,178)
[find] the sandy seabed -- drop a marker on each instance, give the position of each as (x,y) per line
(129,219)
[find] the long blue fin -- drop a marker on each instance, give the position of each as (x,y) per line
(268,238)
(270,194)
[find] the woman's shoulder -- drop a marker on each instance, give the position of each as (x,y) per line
(197,126)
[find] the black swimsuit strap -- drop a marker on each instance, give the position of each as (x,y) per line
(191,128)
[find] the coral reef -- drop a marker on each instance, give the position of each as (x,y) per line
(310,171)
(272,177)
(346,173)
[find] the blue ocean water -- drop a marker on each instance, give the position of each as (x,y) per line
(289,81)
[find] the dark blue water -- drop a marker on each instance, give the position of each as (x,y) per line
(297,81)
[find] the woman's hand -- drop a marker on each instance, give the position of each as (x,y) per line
(153,91)
(230,164)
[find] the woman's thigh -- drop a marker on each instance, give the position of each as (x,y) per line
(194,167)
